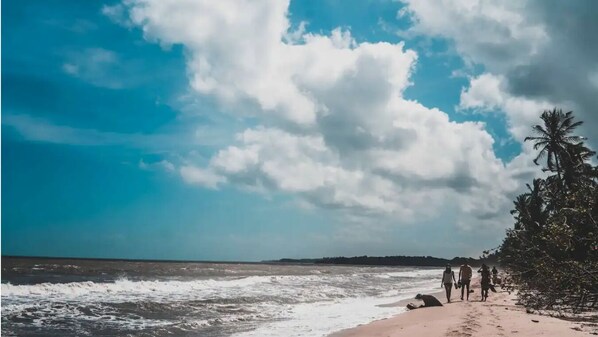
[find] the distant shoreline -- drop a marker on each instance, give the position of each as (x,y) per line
(125,260)
(399,260)
(407,261)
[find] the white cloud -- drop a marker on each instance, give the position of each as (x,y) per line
(498,32)
(335,128)
(195,175)
(163,165)
(236,50)
(118,14)
(488,92)
(540,51)
(485,92)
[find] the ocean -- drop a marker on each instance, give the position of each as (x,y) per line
(68,297)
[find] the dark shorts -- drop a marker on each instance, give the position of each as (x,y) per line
(465,282)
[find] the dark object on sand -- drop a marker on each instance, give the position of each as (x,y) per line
(429,301)
(411,306)
(491,286)
(535,321)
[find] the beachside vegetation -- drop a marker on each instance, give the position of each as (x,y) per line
(552,249)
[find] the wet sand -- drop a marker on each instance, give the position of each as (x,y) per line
(498,316)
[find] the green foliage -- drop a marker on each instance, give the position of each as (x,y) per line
(552,250)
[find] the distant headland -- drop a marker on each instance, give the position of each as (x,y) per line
(425,261)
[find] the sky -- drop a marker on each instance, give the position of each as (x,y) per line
(254,130)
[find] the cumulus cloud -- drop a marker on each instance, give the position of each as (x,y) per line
(196,175)
(499,33)
(335,129)
(488,92)
(542,51)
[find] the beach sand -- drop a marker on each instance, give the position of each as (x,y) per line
(498,316)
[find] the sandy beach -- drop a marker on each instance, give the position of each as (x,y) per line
(498,316)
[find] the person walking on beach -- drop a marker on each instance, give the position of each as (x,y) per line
(448,276)
(465,273)
(494,275)
(485,281)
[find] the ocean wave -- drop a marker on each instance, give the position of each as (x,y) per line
(319,285)
(126,287)
(268,305)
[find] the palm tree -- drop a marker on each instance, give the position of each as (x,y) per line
(576,167)
(520,211)
(555,140)
(536,202)
(529,211)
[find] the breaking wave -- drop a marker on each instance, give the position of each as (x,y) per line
(309,301)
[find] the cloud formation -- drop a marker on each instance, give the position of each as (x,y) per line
(543,53)
(334,128)
(488,92)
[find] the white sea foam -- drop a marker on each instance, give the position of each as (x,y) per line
(274,305)
(322,318)
(124,289)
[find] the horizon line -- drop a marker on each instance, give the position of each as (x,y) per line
(212,261)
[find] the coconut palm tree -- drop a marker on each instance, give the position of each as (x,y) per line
(520,211)
(536,202)
(529,211)
(555,140)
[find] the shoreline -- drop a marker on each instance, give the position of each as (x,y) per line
(439,294)
(498,316)
(291,262)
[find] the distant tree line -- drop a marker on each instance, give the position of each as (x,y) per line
(552,249)
(423,261)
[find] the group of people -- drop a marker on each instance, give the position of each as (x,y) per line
(488,279)
(465,275)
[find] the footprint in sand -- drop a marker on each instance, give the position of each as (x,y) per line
(454,333)
(475,324)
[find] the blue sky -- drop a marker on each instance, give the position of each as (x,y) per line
(250,131)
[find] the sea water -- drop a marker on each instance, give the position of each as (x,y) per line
(43,297)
